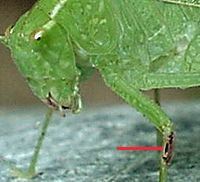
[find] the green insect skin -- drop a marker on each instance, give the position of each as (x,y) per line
(58,43)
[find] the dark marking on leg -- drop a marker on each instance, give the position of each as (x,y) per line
(168,148)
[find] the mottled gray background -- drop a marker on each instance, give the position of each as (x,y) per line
(14,91)
(82,148)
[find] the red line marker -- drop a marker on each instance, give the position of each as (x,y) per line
(140,148)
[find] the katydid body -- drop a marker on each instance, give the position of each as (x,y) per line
(135,45)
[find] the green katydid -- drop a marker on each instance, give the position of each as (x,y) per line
(135,45)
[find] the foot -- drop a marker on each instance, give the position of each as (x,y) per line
(26,174)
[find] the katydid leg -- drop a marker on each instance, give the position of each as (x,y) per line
(149,109)
(159,138)
(31,172)
(156,94)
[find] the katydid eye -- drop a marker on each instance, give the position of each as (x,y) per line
(37,35)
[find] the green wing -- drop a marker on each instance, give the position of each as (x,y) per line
(159,46)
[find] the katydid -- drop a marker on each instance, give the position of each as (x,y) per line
(135,45)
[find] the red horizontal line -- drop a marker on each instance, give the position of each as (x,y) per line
(141,148)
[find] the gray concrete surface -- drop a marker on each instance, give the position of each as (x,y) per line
(81,148)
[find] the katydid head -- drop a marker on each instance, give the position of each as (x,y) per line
(44,55)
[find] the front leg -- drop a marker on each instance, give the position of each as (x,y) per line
(31,172)
(148,108)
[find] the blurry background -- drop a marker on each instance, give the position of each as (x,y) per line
(15,92)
